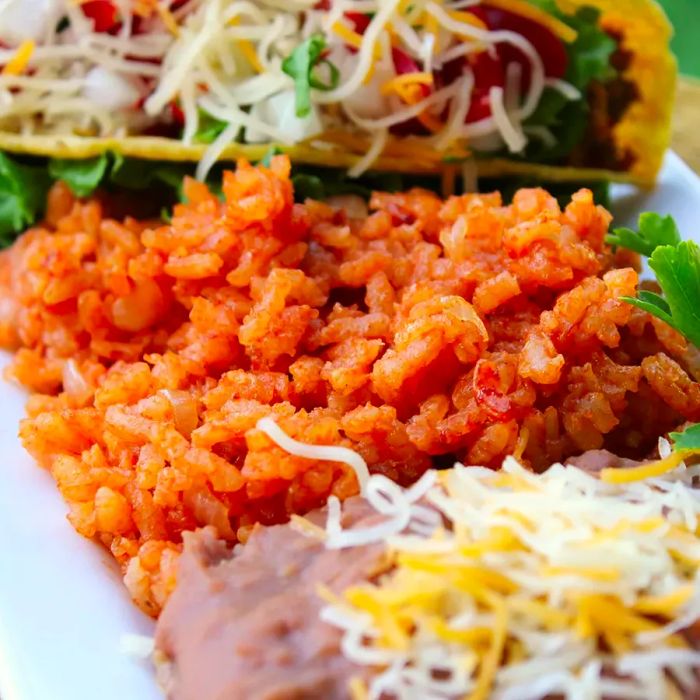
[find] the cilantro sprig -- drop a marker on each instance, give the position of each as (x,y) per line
(677,267)
(676,264)
(302,65)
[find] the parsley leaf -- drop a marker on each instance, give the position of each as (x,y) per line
(654,230)
(689,439)
(81,175)
(677,270)
(301,64)
(23,191)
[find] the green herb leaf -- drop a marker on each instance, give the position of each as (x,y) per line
(23,191)
(81,175)
(654,230)
(677,271)
(301,64)
(656,307)
(689,439)
(209,128)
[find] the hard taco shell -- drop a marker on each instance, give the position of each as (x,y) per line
(644,129)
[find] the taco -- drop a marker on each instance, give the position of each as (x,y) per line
(561,90)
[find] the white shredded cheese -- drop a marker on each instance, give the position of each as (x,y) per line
(326,453)
(540,584)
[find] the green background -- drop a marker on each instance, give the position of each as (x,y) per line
(685,15)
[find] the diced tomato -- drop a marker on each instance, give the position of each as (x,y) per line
(104,14)
(177,113)
(550,48)
(359,21)
(488,390)
(488,73)
(403,63)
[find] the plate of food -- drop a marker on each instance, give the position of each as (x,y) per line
(350,351)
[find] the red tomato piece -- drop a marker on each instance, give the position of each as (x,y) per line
(103,14)
(403,63)
(488,389)
(488,73)
(550,48)
(359,21)
(177,113)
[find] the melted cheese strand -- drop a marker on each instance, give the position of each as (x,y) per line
(326,453)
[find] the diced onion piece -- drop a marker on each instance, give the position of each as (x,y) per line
(280,111)
(26,20)
(111,90)
(74,383)
(185,412)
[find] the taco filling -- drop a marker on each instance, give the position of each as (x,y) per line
(387,84)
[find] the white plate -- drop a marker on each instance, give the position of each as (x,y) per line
(63,608)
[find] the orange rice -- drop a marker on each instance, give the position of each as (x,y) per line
(418,332)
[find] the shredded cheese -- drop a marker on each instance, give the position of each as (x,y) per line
(327,453)
(645,471)
(401,81)
(529,11)
(248,50)
(19,61)
(168,20)
(540,584)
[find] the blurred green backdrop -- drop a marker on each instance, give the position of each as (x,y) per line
(685,15)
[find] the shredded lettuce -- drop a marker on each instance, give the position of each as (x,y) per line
(588,60)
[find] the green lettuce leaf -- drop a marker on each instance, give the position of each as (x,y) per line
(82,175)
(23,190)
(588,60)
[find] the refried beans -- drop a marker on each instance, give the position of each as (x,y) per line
(247,626)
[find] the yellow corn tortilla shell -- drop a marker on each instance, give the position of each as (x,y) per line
(645,129)
(646,32)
